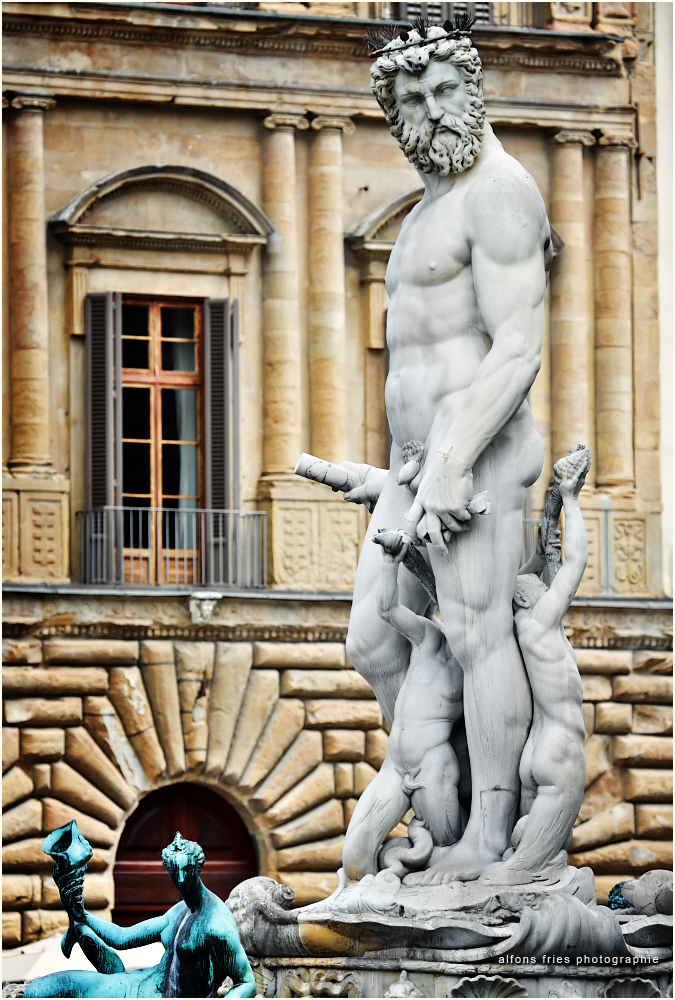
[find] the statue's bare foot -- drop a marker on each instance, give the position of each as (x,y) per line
(515,873)
(463,862)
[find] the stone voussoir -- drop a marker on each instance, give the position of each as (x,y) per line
(302,756)
(309,887)
(24,820)
(56,814)
(71,787)
(86,756)
(16,785)
(10,747)
(326,820)
(316,787)
(106,652)
(616,823)
(323,855)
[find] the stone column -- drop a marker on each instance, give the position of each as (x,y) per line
(327,290)
(30,449)
(569,322)
(613,312)
(282,429)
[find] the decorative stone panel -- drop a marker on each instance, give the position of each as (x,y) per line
(35,529)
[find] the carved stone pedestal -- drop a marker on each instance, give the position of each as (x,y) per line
(393,977)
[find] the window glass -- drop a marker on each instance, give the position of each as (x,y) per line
(136,413)
(178,334)
(135,468)
(135,334)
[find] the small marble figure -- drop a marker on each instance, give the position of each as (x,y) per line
(420,769)
(199,934)
(553,765)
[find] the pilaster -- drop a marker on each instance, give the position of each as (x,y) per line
(569,320)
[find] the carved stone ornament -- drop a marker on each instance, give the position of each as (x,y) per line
(333,121)
(276,120)
(488,986)
(33,102)
(265,980)
(321,983)
(202,607)
(574,137)
(619,139)
(565,989)
(630,988)
(403,987)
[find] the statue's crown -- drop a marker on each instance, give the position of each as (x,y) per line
(380,40)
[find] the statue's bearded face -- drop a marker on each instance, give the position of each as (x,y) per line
(441,129)
(431,92)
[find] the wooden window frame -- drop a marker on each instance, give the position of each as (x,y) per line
(156,379)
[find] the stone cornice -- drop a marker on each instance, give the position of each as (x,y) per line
(581,52)
(160,612)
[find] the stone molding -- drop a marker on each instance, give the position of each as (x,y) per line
(337,122)
(573,137)
(277,120)
(33,102)
(618,140)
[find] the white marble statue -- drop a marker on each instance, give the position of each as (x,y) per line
(466,282)
(420,769)
(553,764)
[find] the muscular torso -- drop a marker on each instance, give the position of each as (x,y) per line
(551,668)
(436,335)
(189,948)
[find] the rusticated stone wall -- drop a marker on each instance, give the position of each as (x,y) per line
(290,735)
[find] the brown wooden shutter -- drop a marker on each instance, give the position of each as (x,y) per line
(103,332)
(217,358)
(100,461)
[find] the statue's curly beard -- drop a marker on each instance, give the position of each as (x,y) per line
(447,146)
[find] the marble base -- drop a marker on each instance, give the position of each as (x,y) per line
(394,977)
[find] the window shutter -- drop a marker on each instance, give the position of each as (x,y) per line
(217,324)
(100,460)
(235,405)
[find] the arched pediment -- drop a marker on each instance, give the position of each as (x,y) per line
(376,234)
(163,207)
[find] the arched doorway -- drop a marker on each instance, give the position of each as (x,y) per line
(142,886)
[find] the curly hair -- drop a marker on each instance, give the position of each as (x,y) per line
(188,848)
(438,46)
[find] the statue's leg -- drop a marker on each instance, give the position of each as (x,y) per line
(438,802)
(378,652)
(382,805)
(87,984)
(475,583)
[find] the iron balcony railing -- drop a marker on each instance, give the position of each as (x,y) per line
(514,15)
(168,546)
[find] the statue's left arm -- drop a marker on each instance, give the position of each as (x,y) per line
(508,233)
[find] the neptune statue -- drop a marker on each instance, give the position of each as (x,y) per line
(199,934)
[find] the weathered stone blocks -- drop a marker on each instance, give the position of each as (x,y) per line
(643,785)
(617,823)
(316,787)
(325,684)
(10,747)
(344,744)
(261,696)
(299,654)
(54,681)
(596,687)
(643,688)
(15,651)
(284,725)
(159,676)
(103,723)
(302,757)
(323,855)
(108,652)
(86,756)
(42,744)
(69,786)
(24,820)
(16,785)
(127,693)
(654,821)
(43,711)
(231,672)
(642,751)
(613,717)
(325,820)
(56,814)
(345,714)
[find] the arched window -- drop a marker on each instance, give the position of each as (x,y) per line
(142,885)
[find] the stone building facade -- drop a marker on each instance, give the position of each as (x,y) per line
(199,206)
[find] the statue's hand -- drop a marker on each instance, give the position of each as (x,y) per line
(372,484)
(571,472)
(442,497)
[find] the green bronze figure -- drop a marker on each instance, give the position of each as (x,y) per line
(199,934)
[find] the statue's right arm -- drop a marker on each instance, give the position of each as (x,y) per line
(405,621)
(145,932)
(550,609)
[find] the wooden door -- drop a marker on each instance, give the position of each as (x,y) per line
(142,885)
